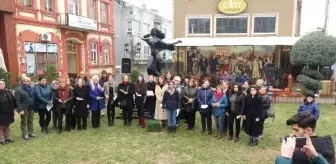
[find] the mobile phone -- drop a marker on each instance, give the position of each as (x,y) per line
(300,141)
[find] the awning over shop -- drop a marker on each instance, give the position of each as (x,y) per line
(238,41)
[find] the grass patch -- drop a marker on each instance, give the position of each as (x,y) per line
(133,145)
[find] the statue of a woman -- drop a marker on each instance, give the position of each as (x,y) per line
(154,40)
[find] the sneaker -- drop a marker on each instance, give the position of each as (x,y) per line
(32,135)
(10,140)
(230,138)
(25,137)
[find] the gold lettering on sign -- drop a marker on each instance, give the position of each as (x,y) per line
(232,6)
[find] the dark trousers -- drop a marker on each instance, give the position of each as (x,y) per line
(233,119)
(225,124)
(54,117)
(127,115)
(45,117)
(206,120)
(73,121)
(81,122)
(95,118)
(60,113)
(68,122)
(190,117)
(110,113)
(141,113)
(4,133)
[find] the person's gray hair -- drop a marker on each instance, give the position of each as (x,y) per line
(54,82)
(177,78)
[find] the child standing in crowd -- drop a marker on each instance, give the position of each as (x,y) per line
(170,103)
(140,94)
(64,97)
(204,96)
(310,106)
(81,104)
(125,97)
(219,104)
(235,110)
(160,88)
(254,114)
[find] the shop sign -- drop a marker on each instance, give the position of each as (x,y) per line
(82,22)
(231,7)
(83,57)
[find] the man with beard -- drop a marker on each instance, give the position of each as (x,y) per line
(302,124)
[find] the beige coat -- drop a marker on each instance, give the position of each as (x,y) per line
(160,114)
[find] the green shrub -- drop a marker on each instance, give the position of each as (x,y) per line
(6,76)
(133,75)
(51,73)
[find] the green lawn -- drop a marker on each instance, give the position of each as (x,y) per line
(134,145)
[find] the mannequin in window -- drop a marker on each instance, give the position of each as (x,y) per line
(154,40)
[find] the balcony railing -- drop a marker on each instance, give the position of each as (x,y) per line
(73,21)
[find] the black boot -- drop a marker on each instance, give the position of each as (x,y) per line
(250,141)
(109,122)
(46,130)
(174,129)
(169,129)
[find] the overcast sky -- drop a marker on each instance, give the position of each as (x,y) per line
(313,12)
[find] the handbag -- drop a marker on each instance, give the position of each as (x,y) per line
(123,103)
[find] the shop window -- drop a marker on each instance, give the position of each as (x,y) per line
(232,25)
(92,9)
(94,53)
(106,53)
(38,56)
(264,24)
(28,3)
(146,51)
(199,25)
(48,5)
(73,7)
(104,13)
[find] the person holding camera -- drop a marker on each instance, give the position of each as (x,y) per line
(289,145)
(303,124)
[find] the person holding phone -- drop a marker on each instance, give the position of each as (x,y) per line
(289,145)
(304,124)
(97,101)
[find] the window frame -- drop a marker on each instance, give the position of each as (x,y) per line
(106,53)
(234,16)
(94,52)
(46,3)
(146,26)
(31,3)
(106,12)
(276,15)
(74,7)
(92,15)
(199,17)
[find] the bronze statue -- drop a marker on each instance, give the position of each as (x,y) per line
(154,40)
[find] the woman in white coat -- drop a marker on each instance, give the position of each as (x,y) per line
(160,114)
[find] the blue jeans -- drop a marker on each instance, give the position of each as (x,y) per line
(171,116)
(219,124)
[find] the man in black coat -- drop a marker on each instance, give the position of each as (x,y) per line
(25,100)
(302,124)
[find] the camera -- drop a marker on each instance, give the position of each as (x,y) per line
(300,141)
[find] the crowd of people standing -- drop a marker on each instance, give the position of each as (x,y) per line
(167,100)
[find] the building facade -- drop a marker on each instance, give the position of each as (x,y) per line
(237,36)
(7,38)
(203,18)
(73,35)
(135,21)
